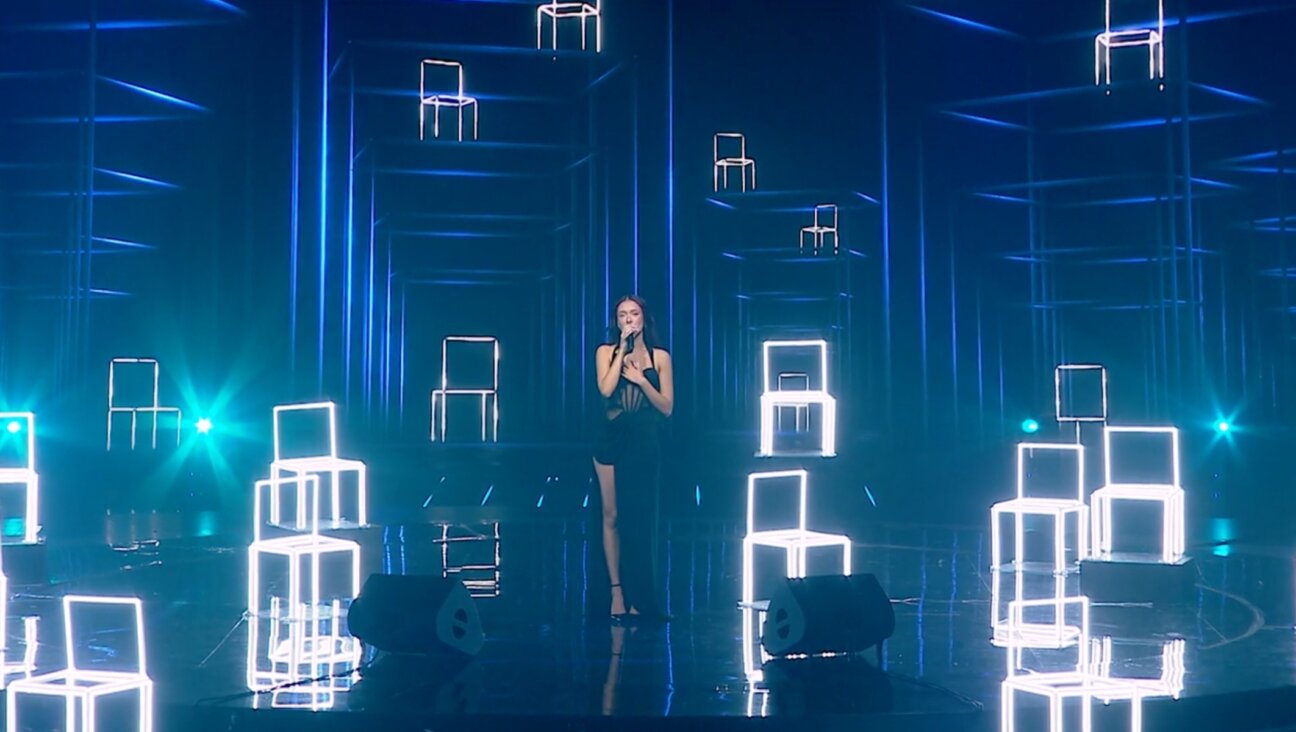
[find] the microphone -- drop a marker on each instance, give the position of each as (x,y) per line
(630,339)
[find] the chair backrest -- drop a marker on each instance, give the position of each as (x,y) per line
(445,361)
(436,62)
(18,440)
(1033,480)
(1119,437)
(789,380)
(1133,14)
(771,345)
(1103,654)
(829,212)
(91,614)
(1080,392)
(321,411)
(742,146)
(753,479)
(117,363)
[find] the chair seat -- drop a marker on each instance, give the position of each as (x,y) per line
(12,475)
(569,10)
(1039,505)
(1035,635)
(1138,492)
(82,683)
(796,537)
(303,544)
(796,398)
(1134,37)
(454,391)
(819,229)
(316,465)
(1074,685)
(449,100)
(735,161)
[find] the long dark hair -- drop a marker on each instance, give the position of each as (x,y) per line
(649,327)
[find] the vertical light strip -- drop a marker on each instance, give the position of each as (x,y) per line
(323,214)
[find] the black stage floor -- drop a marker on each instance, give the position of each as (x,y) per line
(549,660)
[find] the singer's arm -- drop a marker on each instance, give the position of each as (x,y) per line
(608,367)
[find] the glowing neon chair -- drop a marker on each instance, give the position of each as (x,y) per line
(1026,504)
(489,394)
(82,688)
(1169,495)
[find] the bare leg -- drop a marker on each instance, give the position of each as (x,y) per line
(611,538)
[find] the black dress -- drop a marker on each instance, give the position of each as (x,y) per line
(630,441)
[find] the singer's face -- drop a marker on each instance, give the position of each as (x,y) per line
(630,317)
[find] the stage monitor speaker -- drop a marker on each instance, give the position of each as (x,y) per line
(827,614)
(416,614)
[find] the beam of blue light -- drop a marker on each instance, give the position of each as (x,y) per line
(223,5)
(122,243)
(155,94)
(988,121)
(670,173)
(721,204)
(964,22)
(869,494)
(1135,124)
(1066,91)
(134,178)
(102,119)
(489,491)
(1229,94)
(451,173)
(866,197)
(323,200)
(585,503)
(697,495)
(1001,197)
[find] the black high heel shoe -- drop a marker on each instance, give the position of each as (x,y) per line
(620,618)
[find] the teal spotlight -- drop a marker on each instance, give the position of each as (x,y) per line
(13,427)
(1222,426)
(204,426)
(1029,426)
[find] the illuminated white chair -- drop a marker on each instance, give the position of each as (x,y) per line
(1153,38)
(489,395)
(455,100)
(722,164)
(1026,504)
(153,408)
(1169,682)
(581,11)
(311,612)
(773,400)
(300,647)
(318,460)
(1058,683)
(819,231)
(789,381)
(795,542)
(1169,495)
(23,475)
(82,688)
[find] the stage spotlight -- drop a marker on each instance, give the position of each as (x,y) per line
(1029,426)
(1221,426)
(203,425)
(14,427)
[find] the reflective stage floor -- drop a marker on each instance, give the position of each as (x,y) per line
(552,659)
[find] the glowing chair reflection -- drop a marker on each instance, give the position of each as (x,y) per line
(305,628)
(80,687)
(1062,680)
